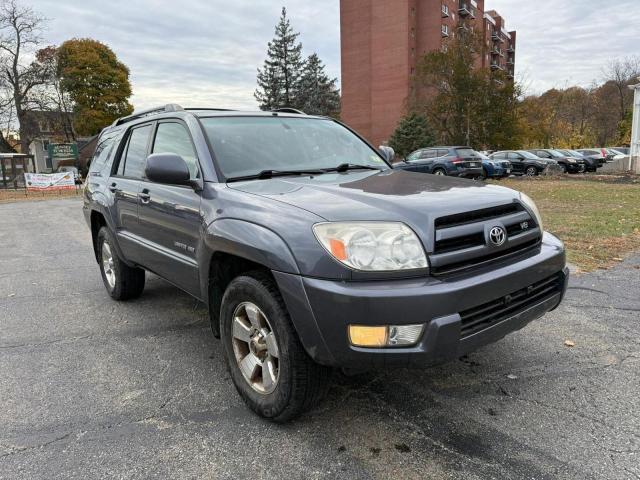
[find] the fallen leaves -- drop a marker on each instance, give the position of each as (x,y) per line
(569,343)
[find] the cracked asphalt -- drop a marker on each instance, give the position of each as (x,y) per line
(91,388)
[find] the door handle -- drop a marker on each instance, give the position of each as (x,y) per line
(113,188)
(144,196)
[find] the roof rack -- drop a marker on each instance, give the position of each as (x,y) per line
(289,110)
(209,109)
(169,107)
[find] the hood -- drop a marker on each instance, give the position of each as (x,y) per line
(391,195)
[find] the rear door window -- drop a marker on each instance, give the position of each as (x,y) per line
(429,154)
(135,156)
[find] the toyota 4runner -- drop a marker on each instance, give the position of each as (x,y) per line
(309,250)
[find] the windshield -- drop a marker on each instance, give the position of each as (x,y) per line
(246,146)
(575,153)
(555,154)
(526,154)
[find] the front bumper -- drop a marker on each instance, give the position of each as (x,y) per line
(321,310)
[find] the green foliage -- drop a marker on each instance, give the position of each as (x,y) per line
(317,93)
(96,81)
(467,105)
(413,133)
(278,80)
(287,80)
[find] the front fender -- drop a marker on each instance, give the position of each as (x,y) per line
(245,240)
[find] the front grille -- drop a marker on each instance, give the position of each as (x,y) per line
(483,316)
(461,240)
(477,215)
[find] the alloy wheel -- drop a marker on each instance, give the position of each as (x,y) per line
(255,348)
(531,171)
(108,265)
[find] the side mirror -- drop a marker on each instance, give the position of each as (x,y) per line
(167,168)
(387,152)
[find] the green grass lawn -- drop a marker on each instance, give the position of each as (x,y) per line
(598,219)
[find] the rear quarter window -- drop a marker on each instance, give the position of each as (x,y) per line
(466,152)
(103,156)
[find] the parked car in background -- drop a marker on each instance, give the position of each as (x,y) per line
(595,154)
(623,150)
(525,163)
(568,163)
(494,168)
(590,164)
(617,154)
(452,161)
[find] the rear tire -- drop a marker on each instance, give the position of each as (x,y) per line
(121,281)
(268,365)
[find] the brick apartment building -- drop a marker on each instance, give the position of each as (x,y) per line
(382,42)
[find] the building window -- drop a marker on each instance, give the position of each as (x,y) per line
(445,30)
(445,11)
(45,145)
(413,11)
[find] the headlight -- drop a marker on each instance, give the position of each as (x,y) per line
(372,246)
(534,209)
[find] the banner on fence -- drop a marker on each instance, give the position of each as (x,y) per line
(52,181)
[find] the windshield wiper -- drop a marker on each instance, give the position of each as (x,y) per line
(266,174)
(343,167)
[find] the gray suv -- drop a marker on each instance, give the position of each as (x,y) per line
(309,250)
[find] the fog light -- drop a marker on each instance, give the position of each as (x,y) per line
(384,336)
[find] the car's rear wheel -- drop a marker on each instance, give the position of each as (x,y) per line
(531,171)
(269,367)
(439,171)
(121,281)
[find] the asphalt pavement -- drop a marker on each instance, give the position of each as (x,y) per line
(92,388)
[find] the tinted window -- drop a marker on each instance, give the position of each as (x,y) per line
(429,154)
(443,152)
(100,156)
(136,153)
(248,145)
(499,156)
(414,156)
(514,156)
(174,138)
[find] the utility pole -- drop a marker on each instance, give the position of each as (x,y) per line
(635,130)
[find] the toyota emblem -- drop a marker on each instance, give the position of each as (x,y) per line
(497,236)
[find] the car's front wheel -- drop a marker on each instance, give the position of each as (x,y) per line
(439,171)
(531,171)
(269,367)
(121,281)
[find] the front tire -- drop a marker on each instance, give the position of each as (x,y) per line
(269,367)
(440,171)
(121,281)
(531,171)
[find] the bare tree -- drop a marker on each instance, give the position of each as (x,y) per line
(20,34)
(621,72)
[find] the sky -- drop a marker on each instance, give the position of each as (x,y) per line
(206,52)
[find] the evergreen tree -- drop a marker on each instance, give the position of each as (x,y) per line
(318,94)
(413,133)
(278,80)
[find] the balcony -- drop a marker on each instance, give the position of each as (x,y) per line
(511,49)
(496,65)
(495,36)
(465,10)
(510,61)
